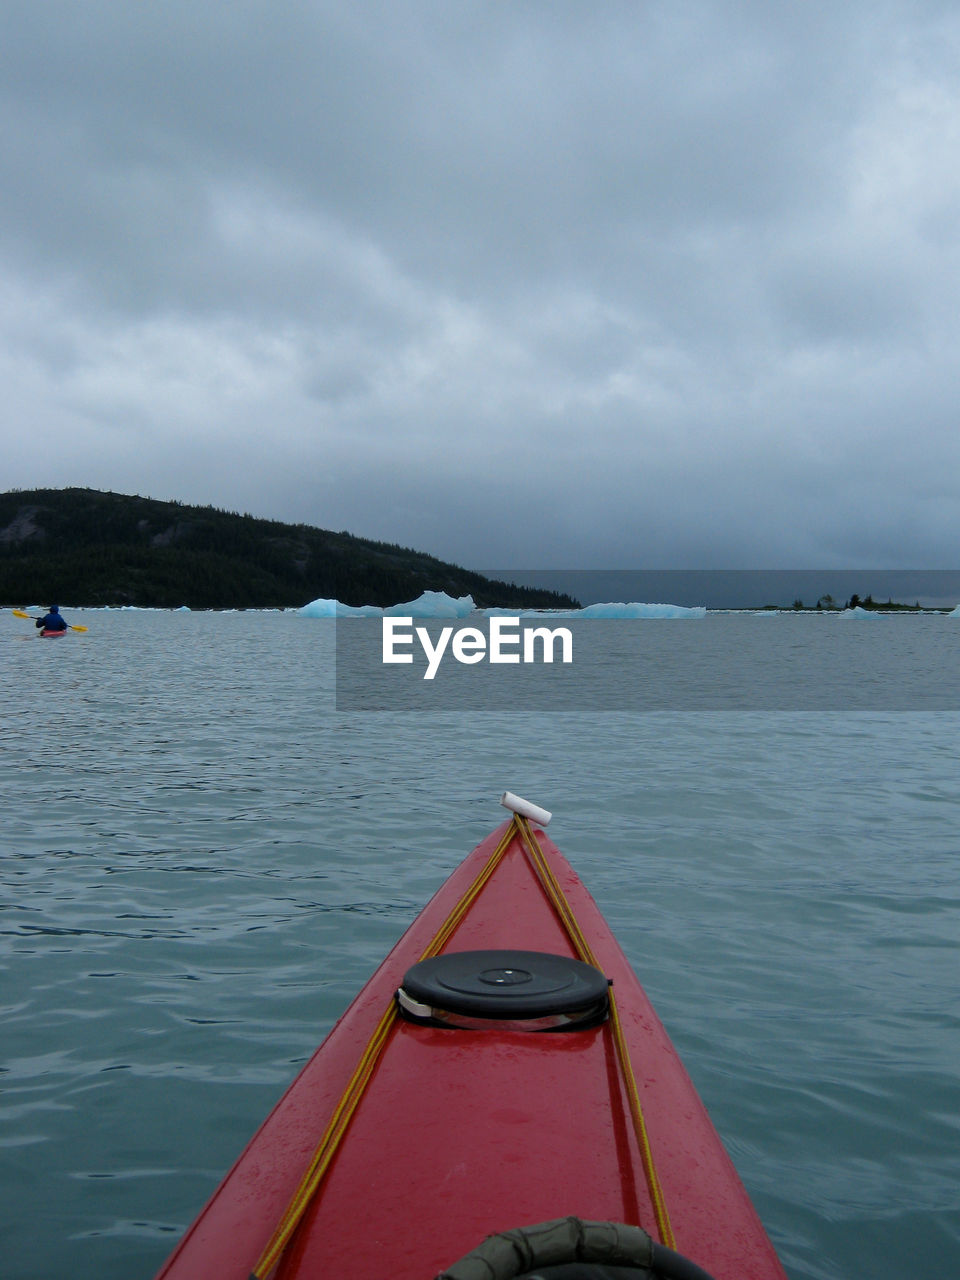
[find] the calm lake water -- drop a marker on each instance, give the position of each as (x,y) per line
(203,860)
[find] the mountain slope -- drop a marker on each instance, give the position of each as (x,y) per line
(88,547)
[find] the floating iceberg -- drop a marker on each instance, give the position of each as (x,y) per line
(319,609)
(612,610)
(432,604)
(334,609)
(856,612)
(637,610)
(437,604)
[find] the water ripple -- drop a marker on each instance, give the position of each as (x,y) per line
(200,874)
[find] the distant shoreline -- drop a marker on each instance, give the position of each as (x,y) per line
(299,611)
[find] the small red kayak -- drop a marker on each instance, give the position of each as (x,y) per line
(51,635)
(502,1072)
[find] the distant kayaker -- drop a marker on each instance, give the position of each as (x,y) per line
(52,621)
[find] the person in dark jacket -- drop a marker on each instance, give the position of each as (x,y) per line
(52,621)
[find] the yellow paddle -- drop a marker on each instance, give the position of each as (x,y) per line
(18,613)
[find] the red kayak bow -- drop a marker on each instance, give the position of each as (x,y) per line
(503,1067)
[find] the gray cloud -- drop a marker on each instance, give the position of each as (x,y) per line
(547,284)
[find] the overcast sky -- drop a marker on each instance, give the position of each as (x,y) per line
(534,284)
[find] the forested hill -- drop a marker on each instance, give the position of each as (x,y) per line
(85,547)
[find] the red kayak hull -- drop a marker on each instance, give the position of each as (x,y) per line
(463,1133)
(51,635)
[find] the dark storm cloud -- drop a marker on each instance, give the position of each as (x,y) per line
(545,283)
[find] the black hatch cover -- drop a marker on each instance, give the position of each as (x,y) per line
(505,984)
